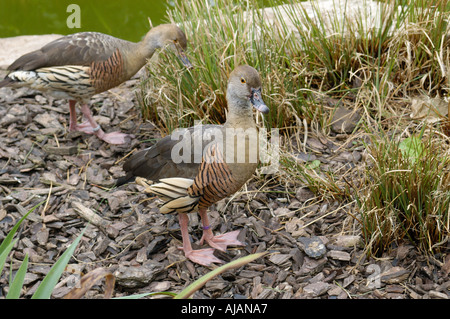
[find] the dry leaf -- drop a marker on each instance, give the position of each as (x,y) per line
(430,109)
(89,280)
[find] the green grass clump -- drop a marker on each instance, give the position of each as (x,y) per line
(220,38)
(297,54)
(407,195)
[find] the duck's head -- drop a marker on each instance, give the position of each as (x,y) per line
(172,36)
(244,88)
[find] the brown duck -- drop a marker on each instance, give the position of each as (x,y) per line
(199,166)
(77,66)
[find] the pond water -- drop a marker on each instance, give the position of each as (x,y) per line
(123,19)
(127,19)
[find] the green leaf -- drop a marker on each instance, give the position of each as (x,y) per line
(313,165)
(196,285)
(5,254)
(138,296)
(45,289)
(17,284)
(411,148)
(13,231)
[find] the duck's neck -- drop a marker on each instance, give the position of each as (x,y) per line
(139,53)
(149,44)
(239,114)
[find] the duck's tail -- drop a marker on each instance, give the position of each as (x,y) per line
(174,191)
(18,78)
(6,82)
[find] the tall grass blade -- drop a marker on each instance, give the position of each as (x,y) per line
(45,289)
(4,254)
(16,286)
(196,285)
(148,294)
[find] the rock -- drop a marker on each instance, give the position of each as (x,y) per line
(319,277)
(413,294)
(141,255)
(250,273)
(141,276)
(297,257)
(17,114)
(113,229)
(312,246)
(316,289)
(87,256)
(98,176)
(344,120)
(116,199)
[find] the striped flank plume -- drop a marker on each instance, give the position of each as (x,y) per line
(69,81)
(174,191)
(213,182)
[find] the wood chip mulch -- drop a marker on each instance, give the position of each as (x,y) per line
(314,249)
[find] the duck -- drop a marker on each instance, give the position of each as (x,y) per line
(193,168)
(80,65)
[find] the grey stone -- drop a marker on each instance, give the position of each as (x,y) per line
(316,289)
(312,246)
(135,277)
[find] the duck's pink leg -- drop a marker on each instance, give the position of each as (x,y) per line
(73,126)
(94,128)
(85,127)
(202,256)
(220,241)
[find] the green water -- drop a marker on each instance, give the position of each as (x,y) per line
(126,19)
(120,18)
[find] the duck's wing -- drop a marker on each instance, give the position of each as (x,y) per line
(177,155)
(81,48)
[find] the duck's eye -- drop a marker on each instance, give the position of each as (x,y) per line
(176,40)
(243,80)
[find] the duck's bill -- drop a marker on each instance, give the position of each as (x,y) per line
(184,59)
(257,101)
